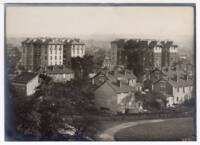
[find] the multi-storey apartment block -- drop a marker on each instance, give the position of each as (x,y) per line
(73,48)
(118,55)
(148,53)
(42,52)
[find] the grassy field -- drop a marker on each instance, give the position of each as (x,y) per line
(168,130)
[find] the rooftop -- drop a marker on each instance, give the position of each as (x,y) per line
(58,70)
(24,77)
(179,83)
(120,89)
(49,40)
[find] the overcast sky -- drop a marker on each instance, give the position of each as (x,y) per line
(78,21)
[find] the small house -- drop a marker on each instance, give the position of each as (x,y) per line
(60,73)
(116,92)
(26,83)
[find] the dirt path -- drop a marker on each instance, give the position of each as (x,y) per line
(108,134)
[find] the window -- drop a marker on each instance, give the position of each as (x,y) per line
(55,57)
(183,89)
(77,51)
(51,57)
(177,89)
(162,86)
(45,57)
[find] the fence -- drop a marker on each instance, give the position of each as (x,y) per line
(142,116)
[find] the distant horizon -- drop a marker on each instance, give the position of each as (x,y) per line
(105,36)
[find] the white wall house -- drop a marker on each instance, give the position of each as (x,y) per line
(60,74)
(26,83)
(182,93)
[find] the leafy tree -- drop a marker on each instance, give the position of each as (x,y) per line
(153,101)
(52,107)
(82,66)
(13,57)
(99,57)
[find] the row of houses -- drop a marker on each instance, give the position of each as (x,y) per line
(158,64)
(176,85)
(115,91)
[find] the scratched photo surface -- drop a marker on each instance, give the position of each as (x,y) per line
(100,72)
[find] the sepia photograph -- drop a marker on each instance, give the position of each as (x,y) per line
(100,72)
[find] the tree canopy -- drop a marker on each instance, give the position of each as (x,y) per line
(52,107)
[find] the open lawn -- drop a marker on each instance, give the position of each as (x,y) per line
(169,130)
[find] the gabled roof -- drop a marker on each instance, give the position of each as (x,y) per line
(24,77)
(124,88)
(179,83)
(156,69)
(45,40)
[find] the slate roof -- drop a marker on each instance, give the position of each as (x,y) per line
(124,88)
(179,83)
(24,77)
(45,40)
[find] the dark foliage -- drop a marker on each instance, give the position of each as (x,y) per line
(13,57)
(52,107)
(82,66)
(152,101)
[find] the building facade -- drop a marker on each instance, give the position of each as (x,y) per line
(60,73)
(146,53)
(39,53)
(116,92)
(73,48)
(26,83)
(176,85)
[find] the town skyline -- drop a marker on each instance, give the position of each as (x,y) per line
(100,73)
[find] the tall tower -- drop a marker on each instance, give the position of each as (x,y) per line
(172,54)
(31,54)
(114,48)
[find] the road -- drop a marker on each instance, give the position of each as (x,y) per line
(108,134)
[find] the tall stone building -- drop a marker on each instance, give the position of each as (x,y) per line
(169,53)
(31,54)
(118,53)
(38,53)
(73,48)
(143,54)
(156,57)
